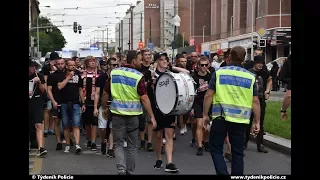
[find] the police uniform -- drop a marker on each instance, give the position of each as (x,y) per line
(234,89)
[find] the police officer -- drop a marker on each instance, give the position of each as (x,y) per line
(127,88)
(232,93)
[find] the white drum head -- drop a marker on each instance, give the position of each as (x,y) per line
(166,93)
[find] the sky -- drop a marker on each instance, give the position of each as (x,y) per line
(92,15)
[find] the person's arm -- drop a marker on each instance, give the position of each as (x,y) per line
(256,104)
(177,69)
(41,84)
(209,94)
(144,98)
(96,97)
(105,95)
(269,85)
(62,84)
(286,101)
(81,91)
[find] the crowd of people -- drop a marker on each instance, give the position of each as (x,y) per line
(114,99)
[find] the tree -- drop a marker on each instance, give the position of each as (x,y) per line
(179,42)
(51,41)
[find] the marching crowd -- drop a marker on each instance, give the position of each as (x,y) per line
(114,99)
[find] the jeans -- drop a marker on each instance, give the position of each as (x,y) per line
(125,128)
(218,132)
(74,116)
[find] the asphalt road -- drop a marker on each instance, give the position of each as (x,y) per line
(184,157)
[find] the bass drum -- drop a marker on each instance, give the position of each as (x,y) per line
(175,93)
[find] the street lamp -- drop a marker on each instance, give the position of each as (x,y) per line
(176,22)
(280,14)
(203,33)
(252,16)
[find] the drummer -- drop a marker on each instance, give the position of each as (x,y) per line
(165,123)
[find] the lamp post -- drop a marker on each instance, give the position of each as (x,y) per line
(252,16)
(203,33)
(280,14)
(176,23)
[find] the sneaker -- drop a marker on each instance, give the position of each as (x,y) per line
(67,149)
(171,168)
(110,153)
(125,144)
(162,150)
(142,145)
(103,148)
(185,129)
(149,147)
(200,151)
(206,146)
(93,147)
(78,149)
(89,144)
(42,152)
(63,142)
(193,142)
(59,147)
(45,133)
(182,131)
(158,164)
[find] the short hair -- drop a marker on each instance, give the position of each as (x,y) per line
(111,59)
(144,50)
(74,58)
(131,55)
(202,58)
(237,54)
(183,52)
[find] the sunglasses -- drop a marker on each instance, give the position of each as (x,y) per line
(203,65)
(103,64)
(114,65)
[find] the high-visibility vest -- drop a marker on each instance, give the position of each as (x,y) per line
(125,98)
(234,94)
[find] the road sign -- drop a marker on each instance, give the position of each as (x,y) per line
(262,32)
(140,45)
(262,43)
(150,46)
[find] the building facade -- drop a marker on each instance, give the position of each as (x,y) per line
(236,22)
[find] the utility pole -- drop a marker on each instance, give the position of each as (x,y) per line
(119,36)
(140,27)
(150,39)
(38,37)
(107,41)
(103,40)
(129,44)
(131,7)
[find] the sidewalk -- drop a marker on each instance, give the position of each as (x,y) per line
(276,143)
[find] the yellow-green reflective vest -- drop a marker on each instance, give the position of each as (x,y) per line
(125,98)
(234,93)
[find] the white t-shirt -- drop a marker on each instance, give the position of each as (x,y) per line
(216,64)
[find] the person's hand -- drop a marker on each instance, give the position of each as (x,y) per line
(105,113)
(266,95)
(55,105)
(206,122)
(71,74)
(284,116)
(192,112)
(83,108)
(95,112)
(154,123)
(255,128)
(36,79)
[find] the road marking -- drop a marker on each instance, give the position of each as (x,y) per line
(37,165)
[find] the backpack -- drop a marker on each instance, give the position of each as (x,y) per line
(259,83)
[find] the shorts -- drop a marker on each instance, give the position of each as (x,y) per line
(56,112)
(35,111)
(74,116)
(88,117)
(164,121)
(197,110)
(102,123)
(49,105)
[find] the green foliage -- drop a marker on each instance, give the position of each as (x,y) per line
(179,42)
(50,41)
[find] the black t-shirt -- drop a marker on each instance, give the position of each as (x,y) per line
(89,77)
(102,80)
(36,91)
(148,79)
(70,93)
(264,74)
(201,86)
(53,80)
(285,73)
(48,69)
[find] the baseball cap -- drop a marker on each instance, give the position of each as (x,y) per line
(220,52)
(258,59)
(158,55)
(54,56)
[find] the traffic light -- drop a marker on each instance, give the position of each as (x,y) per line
(75,27)
(262,43)
(79,28)
(35,42)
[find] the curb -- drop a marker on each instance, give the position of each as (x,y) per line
(276,143)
